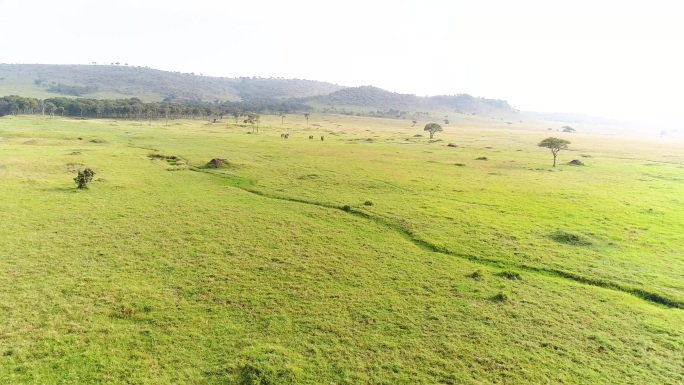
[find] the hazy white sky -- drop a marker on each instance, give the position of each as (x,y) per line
(610,58)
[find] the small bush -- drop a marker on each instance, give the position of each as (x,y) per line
(477,274)
(569,238)
(452,145)
(500,297)
(459,164)
(512,275)
(346,208)
(84,177)
(482,158)
(368,203)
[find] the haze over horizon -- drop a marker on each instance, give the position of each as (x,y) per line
(616,59)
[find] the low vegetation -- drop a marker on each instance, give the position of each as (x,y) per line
(342,261)
(84,178)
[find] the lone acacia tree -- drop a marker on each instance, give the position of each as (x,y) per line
(307,118)
(432,128)
(555,144)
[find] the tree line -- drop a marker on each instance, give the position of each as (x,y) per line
(136,109)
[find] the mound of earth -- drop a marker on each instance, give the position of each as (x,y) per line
(575,162)
(216,163)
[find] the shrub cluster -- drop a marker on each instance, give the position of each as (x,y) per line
(84,177)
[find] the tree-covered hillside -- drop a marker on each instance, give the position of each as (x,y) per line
(374,97)
(134,108)
(122,81)
(369,96)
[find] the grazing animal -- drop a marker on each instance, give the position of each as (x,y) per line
(287,136)
(322,138)
(282,135)
(310,136)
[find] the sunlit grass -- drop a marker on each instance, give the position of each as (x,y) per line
(168,272)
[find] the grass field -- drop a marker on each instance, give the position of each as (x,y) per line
(372,257)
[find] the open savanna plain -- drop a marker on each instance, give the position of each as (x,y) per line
(373,257)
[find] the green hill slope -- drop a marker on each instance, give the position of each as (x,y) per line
(369,96)
(374,97)
(111,81)
(115,82)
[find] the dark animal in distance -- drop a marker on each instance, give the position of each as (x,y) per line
(310,136)
(322,137)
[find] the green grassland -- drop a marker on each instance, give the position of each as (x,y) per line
(375,256)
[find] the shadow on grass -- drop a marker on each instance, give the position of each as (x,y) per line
(66,190)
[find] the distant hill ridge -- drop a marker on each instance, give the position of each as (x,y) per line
(112,81)
(374,97)
(122,81)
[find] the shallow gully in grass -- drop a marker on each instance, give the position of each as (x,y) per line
(425,245)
